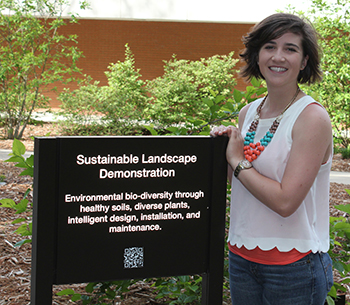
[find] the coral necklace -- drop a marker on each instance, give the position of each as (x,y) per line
(253,150)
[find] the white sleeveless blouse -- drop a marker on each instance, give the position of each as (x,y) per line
(254,224)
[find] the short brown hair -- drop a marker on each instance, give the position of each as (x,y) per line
(274,27)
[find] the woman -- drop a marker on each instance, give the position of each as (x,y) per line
(279,163)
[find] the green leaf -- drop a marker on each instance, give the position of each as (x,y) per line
(261,91)
(208,101)
(18,148)
(345,281)
(76,297)
(237,95)
(8,203)
(333,292)
(184,278)
(22,164)
(330,301)
(24,230)
(344,208)
(18,220)
(151,130)
(22,206)
(22,242)
(342,226)
(66,292)
(255,82)
(339,266)
(90,287)
(190,299)
(30,160)
(17,159)
(28,172)
(27,192)
(228,107)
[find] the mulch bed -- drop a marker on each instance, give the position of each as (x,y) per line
(15,262)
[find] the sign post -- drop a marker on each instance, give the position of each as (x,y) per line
(112,208)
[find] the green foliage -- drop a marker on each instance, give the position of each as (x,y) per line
(340,247)
(113,109)
(182,289)
(79,109)
(33,54)
(125,98)
(332,21)
(18,150)
(217,109)
(179,92)
(98,292)
(345,152)
(189,93)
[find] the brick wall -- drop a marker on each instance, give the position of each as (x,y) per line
(103,42)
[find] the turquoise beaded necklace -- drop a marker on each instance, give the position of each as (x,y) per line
(253,150)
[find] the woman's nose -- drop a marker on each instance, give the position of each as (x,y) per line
(278,56)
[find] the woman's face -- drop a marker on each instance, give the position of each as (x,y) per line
(281,59)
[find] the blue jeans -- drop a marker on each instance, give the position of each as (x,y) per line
(305,282)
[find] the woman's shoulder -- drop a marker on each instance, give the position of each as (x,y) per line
(313,114)
(309,103)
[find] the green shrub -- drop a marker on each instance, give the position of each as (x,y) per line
(116,108)
(79,109)
(124,99)
(33,55)
(340,247)
(179,92)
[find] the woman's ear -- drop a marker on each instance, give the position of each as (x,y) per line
(304,62)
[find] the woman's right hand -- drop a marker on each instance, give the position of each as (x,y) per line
(234,152)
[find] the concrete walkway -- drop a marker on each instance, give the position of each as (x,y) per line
(338,177)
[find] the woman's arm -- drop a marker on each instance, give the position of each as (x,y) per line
(312,146)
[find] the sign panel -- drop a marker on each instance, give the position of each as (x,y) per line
(137,208)
(112,208)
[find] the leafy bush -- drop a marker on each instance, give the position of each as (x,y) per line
(332,21)
(182,289)
(33,55)
(79,108)
(178,94)
(217,109)
(113,109)
(124,99)
(340,247)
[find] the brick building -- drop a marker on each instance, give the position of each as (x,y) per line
(103,42)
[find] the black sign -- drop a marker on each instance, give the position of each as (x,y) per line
(127,207)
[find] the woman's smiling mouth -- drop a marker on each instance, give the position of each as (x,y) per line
(278,69)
